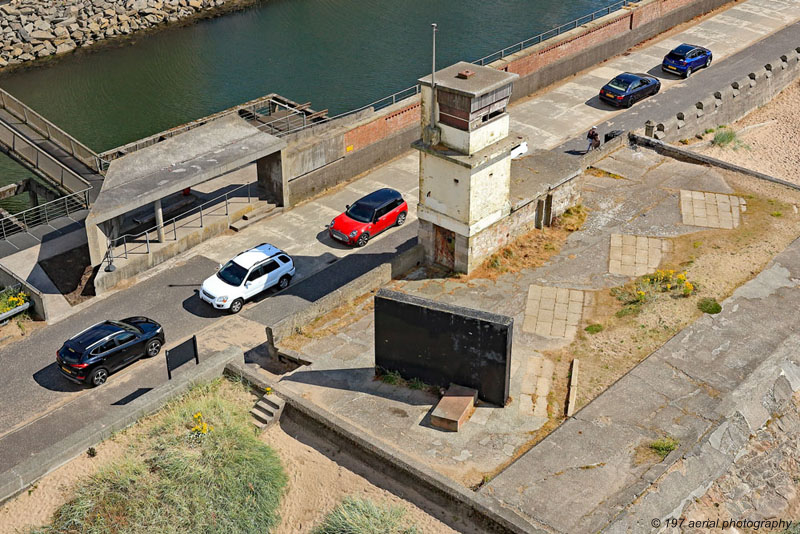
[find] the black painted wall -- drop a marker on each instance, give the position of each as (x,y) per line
(442,344)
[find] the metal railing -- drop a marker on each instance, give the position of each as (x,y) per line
(140,243)
(40,160)
(378,104)
(50,131)
(23,221)
(549,34)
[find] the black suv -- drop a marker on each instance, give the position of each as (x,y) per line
(90,356)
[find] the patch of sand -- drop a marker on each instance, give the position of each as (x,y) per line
(771,135)
(36,506)
(320,477)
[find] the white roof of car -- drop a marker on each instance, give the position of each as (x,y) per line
(248,258)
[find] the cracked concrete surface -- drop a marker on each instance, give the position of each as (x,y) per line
(709,387)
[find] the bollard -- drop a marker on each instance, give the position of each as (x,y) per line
(649,129)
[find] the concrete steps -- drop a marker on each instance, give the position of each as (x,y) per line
(259,213)
(267,411)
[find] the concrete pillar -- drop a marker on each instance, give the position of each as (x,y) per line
(159,220)
(649,129)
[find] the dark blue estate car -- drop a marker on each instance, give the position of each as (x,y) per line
(628,88)
(90,356)
(686,59)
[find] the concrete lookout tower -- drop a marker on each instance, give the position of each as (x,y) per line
(464,162)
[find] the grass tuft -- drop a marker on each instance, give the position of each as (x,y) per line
(361,516)
(709,305)
(664,446)
(178,480)
(594,328)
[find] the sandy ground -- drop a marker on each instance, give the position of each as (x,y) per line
(320,478)
(770,137)
(35,506)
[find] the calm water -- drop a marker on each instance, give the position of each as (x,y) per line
(337,54)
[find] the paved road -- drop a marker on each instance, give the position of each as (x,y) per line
(33,385)
(572,107)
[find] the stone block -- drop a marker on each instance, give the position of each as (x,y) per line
(454,408)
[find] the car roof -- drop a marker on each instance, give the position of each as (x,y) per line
(93,334)
(250,257)
(683,49)
(627,77)
(378,198)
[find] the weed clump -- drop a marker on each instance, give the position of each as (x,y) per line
(594,328)
(362,516)
(664,446)
(709,305)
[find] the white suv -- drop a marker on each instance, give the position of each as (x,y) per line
(247,275)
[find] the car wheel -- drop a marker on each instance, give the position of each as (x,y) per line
(401,219)
(98,377)
(708,62)
(283,283)
(153,348)
(631,100)
(236,305)
(362,239)
(688,72)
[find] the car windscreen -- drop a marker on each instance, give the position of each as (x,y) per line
(360,212)
(620,84)
(676,56)
(69,354)
(232,273)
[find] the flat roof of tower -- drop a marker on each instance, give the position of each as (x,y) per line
(484,80)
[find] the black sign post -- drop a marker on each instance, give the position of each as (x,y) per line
(182,354)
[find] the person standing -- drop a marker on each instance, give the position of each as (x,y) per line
(594,139)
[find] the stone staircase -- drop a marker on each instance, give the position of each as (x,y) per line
(267,410)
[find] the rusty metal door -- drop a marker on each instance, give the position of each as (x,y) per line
(445,246)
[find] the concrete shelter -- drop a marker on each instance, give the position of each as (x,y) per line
(150,174)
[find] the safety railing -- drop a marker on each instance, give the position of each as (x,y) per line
(549,34)
(377,105)
(139,243)
(30,152)
(50,131)
(24,221)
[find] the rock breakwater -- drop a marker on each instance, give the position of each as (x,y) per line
(32,29)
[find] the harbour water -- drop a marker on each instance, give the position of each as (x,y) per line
(336,54)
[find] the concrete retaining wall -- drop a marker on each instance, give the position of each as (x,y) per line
(414,477)
(693,157)
(594,42)
(20,477)
(365,283)
(324,156)
(38,310)
(136,263)
(740,97)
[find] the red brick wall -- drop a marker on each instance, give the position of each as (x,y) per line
(559,50)
(646,13)
(381,127)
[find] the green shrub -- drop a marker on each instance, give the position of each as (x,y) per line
(391,377)
(594,328)
(178,480)
(709,305)
(724,137)
(360,516)
(664,446)
(416,383)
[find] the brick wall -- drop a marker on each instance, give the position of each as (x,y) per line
(382,127)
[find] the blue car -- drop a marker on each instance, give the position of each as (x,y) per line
(628,88)
(686,59)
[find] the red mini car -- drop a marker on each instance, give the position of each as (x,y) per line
(369,216)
